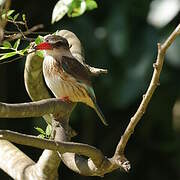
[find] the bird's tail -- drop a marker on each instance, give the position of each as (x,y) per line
(100,114)
(95,106)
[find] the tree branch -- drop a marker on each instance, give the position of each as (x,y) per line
(22,34)
(13,161)
(148,95)
(62,147)
(34,109)
(96,71)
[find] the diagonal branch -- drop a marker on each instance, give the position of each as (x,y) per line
(148,95)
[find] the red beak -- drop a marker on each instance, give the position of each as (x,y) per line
(43,46)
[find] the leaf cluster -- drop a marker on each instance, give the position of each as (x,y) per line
(44,134)
(72,8)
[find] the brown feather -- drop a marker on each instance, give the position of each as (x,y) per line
(76,69)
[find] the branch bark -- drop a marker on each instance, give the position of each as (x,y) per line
(34,109)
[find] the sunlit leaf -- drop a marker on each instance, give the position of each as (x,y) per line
(20,52)
(40,130)
(40,54)
(48,130)
(10,18)
(60,9)
(7,55)
(16,44)
(24,17)
(7,14)
(16,16)
(7,44)
(41,136)
(4,47)
(10,12)
(91,4)
(77,8)
(39,39)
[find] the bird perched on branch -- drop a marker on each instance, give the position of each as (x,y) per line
(65,76)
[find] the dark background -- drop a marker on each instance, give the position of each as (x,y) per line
(115,36)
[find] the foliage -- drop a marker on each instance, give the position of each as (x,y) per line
(14,49)
(44,134)
(72,8)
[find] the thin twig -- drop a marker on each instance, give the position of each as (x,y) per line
(15,32)
(29,31)
(96,71)
(148,95)
(16,22)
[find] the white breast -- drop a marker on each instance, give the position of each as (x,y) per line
(61,88)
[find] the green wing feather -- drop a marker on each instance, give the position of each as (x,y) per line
(96,107)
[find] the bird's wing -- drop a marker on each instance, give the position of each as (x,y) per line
(77,70)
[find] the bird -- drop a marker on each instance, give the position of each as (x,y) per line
(65,76)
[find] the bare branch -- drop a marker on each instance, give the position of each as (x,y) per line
(22,34)
(148,95)
(97,164)
(62,147)
(88,167)
(96,71)
(34,109)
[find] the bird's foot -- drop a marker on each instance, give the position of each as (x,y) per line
(65,99)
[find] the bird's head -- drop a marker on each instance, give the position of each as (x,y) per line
(53,44)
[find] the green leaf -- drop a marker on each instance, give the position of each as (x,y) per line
(24,17)
(7,55)
(41,136)
(16,44)
(4,47)
(10,18)
(20,52)
(16,16)
(10,12)
(7,14)
(39,40)
(7,44)
(77,8)
(40,130)
(91,4)
(40,54)
(60,9)
(48,130)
